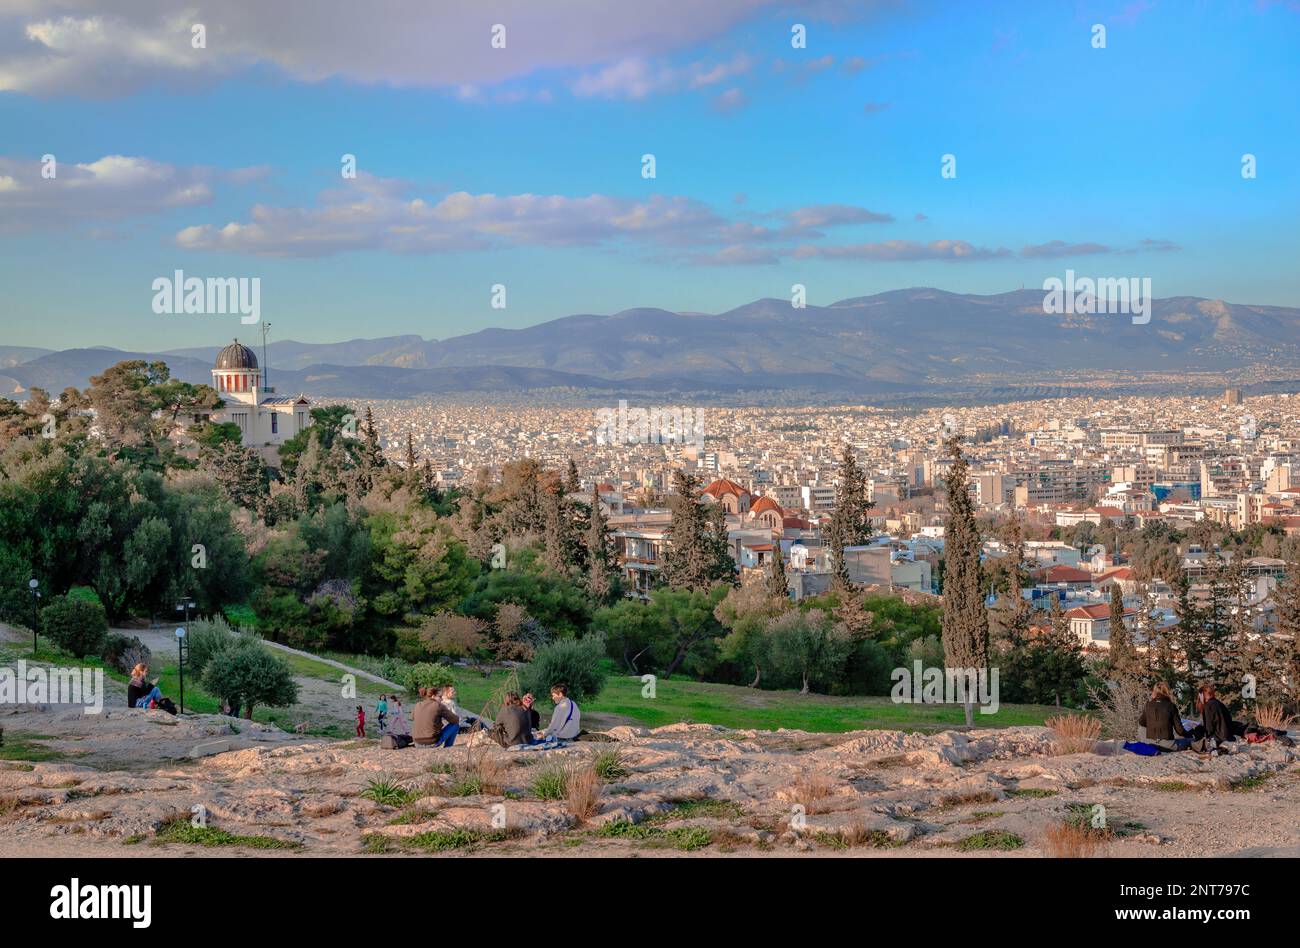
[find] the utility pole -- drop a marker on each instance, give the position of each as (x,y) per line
(266,369)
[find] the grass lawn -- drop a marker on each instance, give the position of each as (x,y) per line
(696,702)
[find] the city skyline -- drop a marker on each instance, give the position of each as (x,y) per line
(820,165)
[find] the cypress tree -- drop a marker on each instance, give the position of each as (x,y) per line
(777,584)
(1123,659)
(851,522)
(965,619)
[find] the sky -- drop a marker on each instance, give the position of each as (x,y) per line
(503,143)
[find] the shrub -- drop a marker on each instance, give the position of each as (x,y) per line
(247,672)
(577,662)
(426,675)
(387,791)
(205,639)
(1272,715)
(1073,734)
(1119,704)
(549,782)
(582,793)
(1067,840)
(78,626)
(610,765)
(124,652)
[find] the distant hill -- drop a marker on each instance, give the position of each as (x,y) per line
(893,345)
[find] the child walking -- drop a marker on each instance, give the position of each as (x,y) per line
(361,721)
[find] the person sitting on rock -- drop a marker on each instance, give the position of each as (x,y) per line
(1162,723)
(534,716)
(1217,726)
(513,727)
(469,720)
(436,725)
(566,719)
(140,693)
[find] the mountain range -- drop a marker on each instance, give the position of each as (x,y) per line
(904,344)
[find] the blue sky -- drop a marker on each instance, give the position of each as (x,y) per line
(522,165)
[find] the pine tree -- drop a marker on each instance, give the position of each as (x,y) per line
(777,584)
(572,483)
(410,452)
(965,618)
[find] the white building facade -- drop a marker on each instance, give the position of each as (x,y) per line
(266,420)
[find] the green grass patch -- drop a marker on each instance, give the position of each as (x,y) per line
(434,841)
(27,746)
(991,839)
(687,839)
(412,816)
(1250,783)
(1032,792)
(683,700)
(1175,786)
(550,781)
(387,791)
(182,832)
(692,809)
(610,766)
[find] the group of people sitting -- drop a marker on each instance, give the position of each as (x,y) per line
(438,720)
(1161,724)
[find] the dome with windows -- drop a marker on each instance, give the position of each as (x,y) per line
(236,357)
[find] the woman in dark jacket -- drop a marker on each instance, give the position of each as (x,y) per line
(1216,721)
(1162,723)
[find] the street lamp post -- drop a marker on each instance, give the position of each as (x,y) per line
(34,585)
(180,650)
(183,606)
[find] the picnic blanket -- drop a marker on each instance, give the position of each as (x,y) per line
(543,746)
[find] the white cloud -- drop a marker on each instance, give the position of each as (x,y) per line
(900,250)
(110,188)
(372,213)
(113,47)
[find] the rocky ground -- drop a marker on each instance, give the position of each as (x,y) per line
(134,783)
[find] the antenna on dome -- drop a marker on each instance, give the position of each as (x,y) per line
(266,370)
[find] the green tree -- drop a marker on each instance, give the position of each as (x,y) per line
(249,673)
(809,646)
(851,521)
(698,555)
(965,618)
(1122,659)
